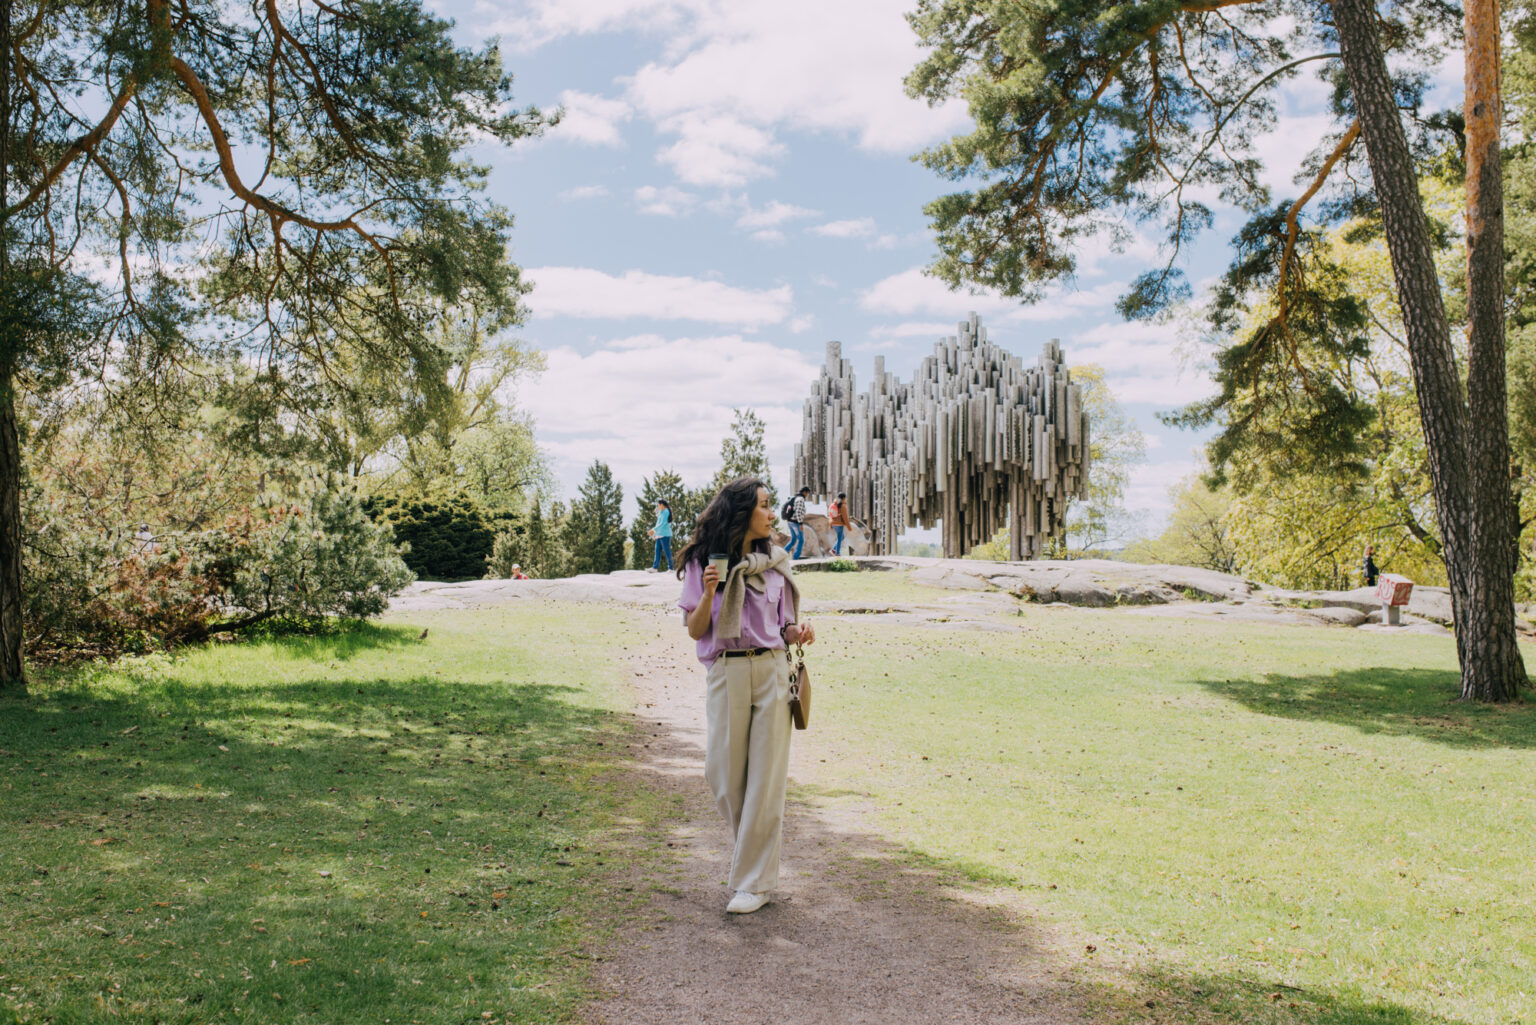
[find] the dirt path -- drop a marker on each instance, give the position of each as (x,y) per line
(854,935)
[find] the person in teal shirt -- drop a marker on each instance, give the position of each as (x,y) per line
(662,533)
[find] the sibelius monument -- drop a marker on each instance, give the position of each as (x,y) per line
(977,441)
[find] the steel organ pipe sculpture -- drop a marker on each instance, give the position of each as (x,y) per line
(976,442)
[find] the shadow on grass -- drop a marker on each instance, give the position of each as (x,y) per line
(864,929)
(1396,702)
(1162,995)
(333,849)
(340,641)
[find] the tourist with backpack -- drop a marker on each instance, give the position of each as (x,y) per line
(794,522)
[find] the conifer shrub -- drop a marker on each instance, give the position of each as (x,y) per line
(441,537)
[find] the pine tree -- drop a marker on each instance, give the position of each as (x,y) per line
(132,139)
(743,452)
(595,534)
(1090,113)
(686,504)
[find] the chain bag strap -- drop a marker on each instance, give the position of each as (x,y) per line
(799,687)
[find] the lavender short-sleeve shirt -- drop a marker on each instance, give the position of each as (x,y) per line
(763,615)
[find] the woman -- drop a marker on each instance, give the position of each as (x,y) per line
(661,533)
(742,620)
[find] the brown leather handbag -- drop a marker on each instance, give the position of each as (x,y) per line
(799,688)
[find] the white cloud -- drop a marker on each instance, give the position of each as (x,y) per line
(772,215)
(1166,391)
(895,241)
(861,227)
(913,292)
(591,119)
(914,329)
(1063,303)
(584,292)
(717,149)
(544,21)
(1147,489)
(1094,252)
(649,402)
(585,192)
(666,201)
(1284,148)
(772,236)
(1128,346)
(735,76)
(1143,363)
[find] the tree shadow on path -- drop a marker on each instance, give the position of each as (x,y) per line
(865,930)
(1395,702)
(859,931)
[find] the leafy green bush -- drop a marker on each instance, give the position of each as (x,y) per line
(450,538)
(95,588)
(842,566)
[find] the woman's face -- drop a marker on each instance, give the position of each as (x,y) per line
(761,524)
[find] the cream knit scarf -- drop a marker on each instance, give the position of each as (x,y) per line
(749,573)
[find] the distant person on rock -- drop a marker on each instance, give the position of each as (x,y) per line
(661,533)
(144,540)
(840,520)
(794,522)
(741,605)
(517,572)
(1368,566)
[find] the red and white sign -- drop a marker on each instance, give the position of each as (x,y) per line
(1393,589)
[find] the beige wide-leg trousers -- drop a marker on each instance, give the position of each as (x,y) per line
(746,760)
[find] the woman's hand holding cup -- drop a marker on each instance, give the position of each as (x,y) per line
(714,571)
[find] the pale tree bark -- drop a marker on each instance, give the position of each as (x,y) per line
(1467,446)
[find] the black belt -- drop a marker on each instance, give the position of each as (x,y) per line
(745,652)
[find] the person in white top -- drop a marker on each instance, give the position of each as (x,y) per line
(147,545)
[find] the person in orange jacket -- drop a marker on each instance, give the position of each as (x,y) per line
(840,520)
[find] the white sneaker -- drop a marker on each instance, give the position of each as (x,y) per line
(744,903)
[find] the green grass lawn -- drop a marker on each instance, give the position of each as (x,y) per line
(1247,823)
(364,827)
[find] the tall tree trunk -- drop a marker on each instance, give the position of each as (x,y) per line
(1479,569)
(1492,506)
(12,679)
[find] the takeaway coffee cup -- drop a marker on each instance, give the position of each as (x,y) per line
(720,562)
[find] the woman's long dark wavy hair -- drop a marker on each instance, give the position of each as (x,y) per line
(722,526)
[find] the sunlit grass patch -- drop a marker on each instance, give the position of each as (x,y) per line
(1246,822)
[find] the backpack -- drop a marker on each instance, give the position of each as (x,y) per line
(788,512)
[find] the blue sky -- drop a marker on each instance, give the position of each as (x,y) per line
(730,189)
